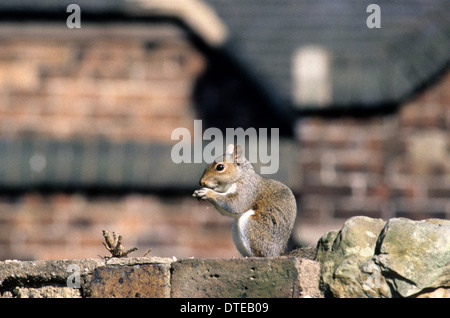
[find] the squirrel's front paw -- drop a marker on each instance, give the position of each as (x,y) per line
(201,194)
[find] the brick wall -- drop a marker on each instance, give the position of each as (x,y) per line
(120,82)
(387,166)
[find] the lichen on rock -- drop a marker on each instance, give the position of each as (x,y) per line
(398,258)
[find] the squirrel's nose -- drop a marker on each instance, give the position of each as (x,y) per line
(202,183)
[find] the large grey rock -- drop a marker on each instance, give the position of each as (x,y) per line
(345,259)
(414,256)
(399,258)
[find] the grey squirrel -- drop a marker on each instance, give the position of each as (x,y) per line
(264,210)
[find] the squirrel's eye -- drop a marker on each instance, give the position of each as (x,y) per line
(220,167)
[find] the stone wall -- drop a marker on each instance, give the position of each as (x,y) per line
(161,278)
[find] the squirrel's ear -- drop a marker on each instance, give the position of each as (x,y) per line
(237,154)
(230,150)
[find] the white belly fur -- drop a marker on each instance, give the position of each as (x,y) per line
(240,235)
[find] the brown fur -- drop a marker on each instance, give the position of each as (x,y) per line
(267,231)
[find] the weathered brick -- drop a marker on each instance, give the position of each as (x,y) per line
(147,279)
(245,277)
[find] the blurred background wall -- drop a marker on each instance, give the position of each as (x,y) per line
(86,117)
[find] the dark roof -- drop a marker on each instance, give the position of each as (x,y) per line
(370,67)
